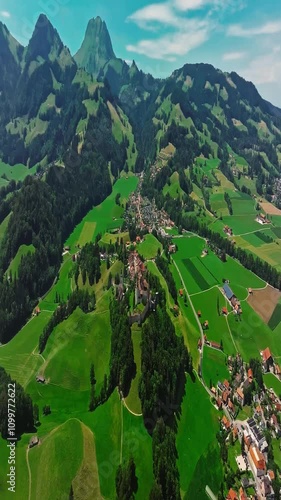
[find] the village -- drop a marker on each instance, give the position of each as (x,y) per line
(231,396)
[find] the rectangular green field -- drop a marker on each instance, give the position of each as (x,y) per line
(242,223)
(252,335)
(199,273)
(277,231)
(214,366)
(275,318)
(87,233)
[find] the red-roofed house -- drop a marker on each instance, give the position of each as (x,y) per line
(250,374)
(257,461)
(230,406)
(242,494)
(266,358)
(225,423)
(277,370)
(271,474)
(226,384)
(240,396)
(232,495)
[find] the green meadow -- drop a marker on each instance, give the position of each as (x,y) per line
(197,444)
(252,335)
(22,251)
(106,216)
(16,172)
(214,366)
(272,382)
(148,249)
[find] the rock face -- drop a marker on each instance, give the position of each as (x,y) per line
(96,49)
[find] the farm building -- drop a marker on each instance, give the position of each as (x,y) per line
(224,310)
(261,219)
(228,292)
(181,292)
(33,441)
(215,345)
(40,379)
(267,358)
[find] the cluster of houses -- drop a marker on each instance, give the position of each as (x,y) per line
(229,396)
(145,214)
(262,219)
(137,272)
(232,299)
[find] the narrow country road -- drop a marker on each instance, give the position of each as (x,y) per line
(29,474)
(194,312)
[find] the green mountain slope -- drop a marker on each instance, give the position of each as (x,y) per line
(96,49)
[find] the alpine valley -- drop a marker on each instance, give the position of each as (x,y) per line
(140,277)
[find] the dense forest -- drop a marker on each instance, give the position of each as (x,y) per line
(24,407)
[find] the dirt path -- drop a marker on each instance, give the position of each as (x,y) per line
(130,411)
(196,317)
(122,426)
(29,474)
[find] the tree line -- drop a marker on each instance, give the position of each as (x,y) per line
(24,418)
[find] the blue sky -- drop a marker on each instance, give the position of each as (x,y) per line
(233,35)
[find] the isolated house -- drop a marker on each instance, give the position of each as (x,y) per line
(40,379)
(267,358)
(33,441)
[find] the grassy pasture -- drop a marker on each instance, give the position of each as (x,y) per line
(214,367)
(86,482)
(211,163)
(20,356)
(275,318)
(210,304)
(149,247)
(218,204)
(108,238)
(133,400)
(242,224)
(107,215)
(252,335)
(3,227)
(74,344)
(272,382)
(87,233)
(277,231)
(63,446)
(62,286)
(22,251)
(239,277)
(196,443)
(200,274)
(17,172)
(173,188)
(137,442)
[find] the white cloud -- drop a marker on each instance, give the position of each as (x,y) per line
(264,69)
(233,56)
(269,28)
(159,13)
(184,5)
(169,46)
(5,13)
